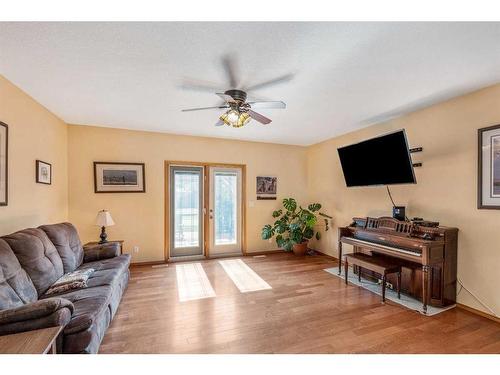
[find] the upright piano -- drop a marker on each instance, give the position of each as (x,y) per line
(427,253)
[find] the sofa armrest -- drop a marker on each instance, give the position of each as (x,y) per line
(95,252)
(43,313)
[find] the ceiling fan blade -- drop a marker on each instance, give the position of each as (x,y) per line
(256,98)
(258,117)
(272,104)
(229,65)
(203,108)
(271,82)
(199,85)
(219,123)
(226,98)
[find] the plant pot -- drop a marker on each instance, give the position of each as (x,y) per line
(300,249)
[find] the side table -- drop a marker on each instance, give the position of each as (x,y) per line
(39,341)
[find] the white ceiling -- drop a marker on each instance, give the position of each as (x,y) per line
(346,75)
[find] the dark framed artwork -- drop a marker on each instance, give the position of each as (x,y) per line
(43,172)
(4,163)
(488,187)
(117,177)
(267,187)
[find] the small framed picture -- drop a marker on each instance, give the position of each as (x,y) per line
(266,187)
(4,175)
(488,190)
(113,177)
(43,172)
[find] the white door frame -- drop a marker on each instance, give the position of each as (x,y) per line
(189,252)
(229,249)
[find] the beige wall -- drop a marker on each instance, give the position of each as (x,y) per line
(445,189)
(139,217)
(34,133)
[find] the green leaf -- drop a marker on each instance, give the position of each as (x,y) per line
(296,237)
(280,241)
(314,207)
(281,227)
(318,236)
(309,233)
(287,245)
(311,221)
(277,213)
(267,232)
(290,204)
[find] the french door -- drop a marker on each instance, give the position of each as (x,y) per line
(186,211)
(225,211)
(204,210)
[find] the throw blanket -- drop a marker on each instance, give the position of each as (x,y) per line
(72,280)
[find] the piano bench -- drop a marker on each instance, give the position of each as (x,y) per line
(380,265)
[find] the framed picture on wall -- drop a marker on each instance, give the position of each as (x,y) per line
(43,172)
(488,190)
(267,187)
(113,177)
(4,175)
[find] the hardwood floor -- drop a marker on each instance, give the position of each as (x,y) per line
(306,311)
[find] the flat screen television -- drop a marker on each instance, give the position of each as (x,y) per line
(384,160)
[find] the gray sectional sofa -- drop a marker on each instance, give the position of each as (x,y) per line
(31,260)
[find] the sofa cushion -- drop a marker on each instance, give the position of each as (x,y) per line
(65,238)
(16,288)
(37,256)
(107,271)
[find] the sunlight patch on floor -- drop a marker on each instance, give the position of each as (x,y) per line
(245,279)
(192,282)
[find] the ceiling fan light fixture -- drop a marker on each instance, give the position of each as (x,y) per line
(232,116)
(243,119)
(235,118)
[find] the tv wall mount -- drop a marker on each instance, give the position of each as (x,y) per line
(414,150)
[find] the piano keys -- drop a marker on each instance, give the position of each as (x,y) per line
(428,255)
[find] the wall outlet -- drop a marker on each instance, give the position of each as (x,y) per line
(136,249)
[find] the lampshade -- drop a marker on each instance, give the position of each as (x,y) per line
(104,219)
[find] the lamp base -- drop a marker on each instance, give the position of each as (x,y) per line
(103,236)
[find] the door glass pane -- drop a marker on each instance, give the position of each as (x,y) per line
(225,185)
(187,209)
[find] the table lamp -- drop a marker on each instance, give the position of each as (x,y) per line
(104,220)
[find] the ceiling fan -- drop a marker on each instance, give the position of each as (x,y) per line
(238,111)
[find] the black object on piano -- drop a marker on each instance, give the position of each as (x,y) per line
(399,213)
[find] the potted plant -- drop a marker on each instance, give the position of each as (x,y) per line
(294,226)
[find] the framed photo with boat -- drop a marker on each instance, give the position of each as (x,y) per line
(488,189)
(117,177)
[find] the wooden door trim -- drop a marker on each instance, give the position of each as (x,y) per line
(206,190)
